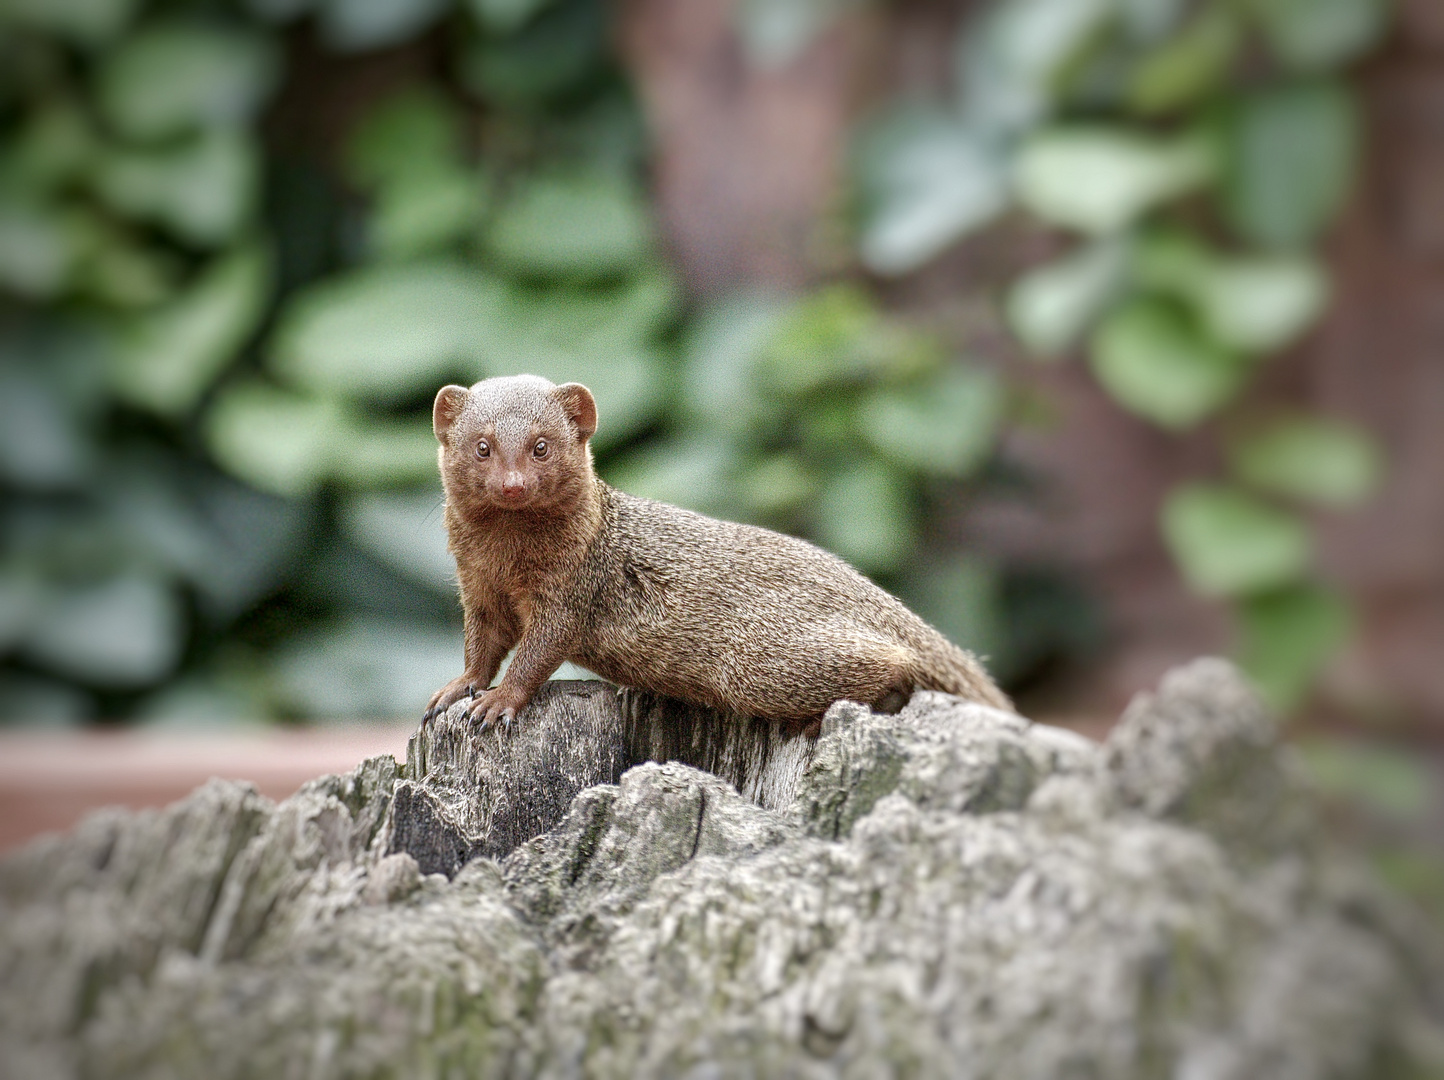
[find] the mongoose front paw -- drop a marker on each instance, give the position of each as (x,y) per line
(443,699)
(497,707)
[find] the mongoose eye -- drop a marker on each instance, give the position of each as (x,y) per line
(541,448)
(483,449)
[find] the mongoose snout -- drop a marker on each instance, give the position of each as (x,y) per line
(556,563)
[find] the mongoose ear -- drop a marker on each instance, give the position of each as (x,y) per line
(449,402)
(581,408)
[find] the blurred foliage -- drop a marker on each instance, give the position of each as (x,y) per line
(218,349)
(219,343)
(1196,150)
(219,340)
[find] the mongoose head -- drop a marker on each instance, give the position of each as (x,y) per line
(515,443)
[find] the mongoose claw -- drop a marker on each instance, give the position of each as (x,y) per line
(448,695)
(489,711)
(495,717)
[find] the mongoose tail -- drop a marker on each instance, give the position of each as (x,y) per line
(943,666)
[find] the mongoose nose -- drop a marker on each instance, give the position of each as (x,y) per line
(514,486)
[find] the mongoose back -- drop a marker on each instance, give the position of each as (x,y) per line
(556,563)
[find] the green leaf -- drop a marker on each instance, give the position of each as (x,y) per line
(1099,180)
(274,440)
(947,426)
(1392,780)
(1052,305)
(370,453)
(56,144)
(365,25)
(584,226)
(1310,458)
(726,340)
(1317,35)
(1171,260)
(1255,304)
(122,273)
(866,515)
(1260,305)
(43,443)
(506,16)
(1155,364)
(414,131)
(1148,21)
(22,595)
(387,331)
(837,336)
(86,22)
(1009,67)
(202,191)
(190,521)
(288,444)
(775,485)
(425,211)
(42,248)
(1413,869)
(169,80)
(407,532)
(169,357)
(550,56)
(1287,638)
(368,668)
(814,341)
(628,384)
(123,633)
(1228,543)
(1189,65)
(1291,154)
(927,181)
(694,472)
(570,320)
(226,702)
(600,337)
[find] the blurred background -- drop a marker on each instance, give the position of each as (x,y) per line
(1105,332)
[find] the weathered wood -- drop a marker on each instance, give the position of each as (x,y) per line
(466,793)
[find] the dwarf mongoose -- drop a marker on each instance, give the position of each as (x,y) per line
(553,561)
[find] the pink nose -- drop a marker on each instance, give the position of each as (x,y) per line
(514,486)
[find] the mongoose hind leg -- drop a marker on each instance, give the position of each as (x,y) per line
(844,664)
(891,701)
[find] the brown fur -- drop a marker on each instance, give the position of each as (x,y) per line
(560,565)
